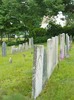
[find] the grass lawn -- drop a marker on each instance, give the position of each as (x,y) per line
(16,78)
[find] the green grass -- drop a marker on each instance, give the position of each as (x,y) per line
(16,78)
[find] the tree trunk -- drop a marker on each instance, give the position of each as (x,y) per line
(1,37)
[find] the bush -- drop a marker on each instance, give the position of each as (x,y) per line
(10,43)
(38,32)
(54,30)
(40,39)
(39,35)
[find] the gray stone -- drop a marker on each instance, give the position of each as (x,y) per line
(3,49)
(20,47)
(10,60)
(44,68)
(37,70)
(49,57)
(62,46)
(31,42)
(26,46)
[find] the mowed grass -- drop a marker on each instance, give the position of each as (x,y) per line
(16,78)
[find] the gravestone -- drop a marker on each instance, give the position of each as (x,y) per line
(23,46)
(54,52)
(26,46)
(13,49)
(49,57)
(67,47)
(3,49)
(31,42)
(37,70)
(56,49)
(20,47)
(10,60)
(62,46)
(70,41)
(44,68)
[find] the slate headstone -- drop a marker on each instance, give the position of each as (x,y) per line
(3,49)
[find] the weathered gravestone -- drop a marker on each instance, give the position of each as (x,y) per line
(49,57)
(31,42)
(54,52)
(56,48)
(3,49)
(70,41)
(14,49)
(37,70)
(62,46)
(23,46)
(20,47)
(67,46)
(26,46)
(44,68)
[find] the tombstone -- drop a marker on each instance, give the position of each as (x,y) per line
(20,47)
(13,49)
(62,46)
(54,52)
(26,46)
(56,48)
(23,46)
(10,60)
(67,47)
(44,68)
(70,41)
(49,57)
(3,49)
(37,70)
(30,43)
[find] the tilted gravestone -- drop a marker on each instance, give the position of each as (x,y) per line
(3,49)
(37,70)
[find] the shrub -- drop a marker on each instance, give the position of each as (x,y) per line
(40,39)
(38,32)
(10,43)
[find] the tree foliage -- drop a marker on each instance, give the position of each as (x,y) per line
(22,15)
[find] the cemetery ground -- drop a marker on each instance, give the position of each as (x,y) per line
(16,78)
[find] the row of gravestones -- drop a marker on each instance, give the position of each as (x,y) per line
(20,48)
(46,60)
